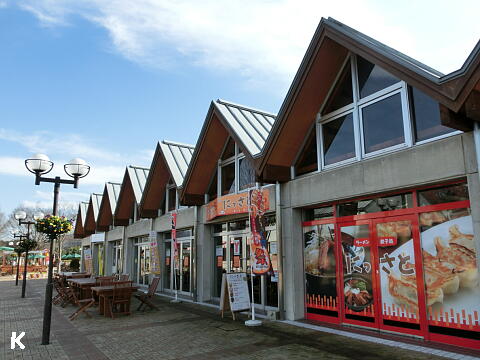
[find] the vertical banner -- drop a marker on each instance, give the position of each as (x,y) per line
(174,239)
(154,254)
(261,263)
(100,260)
(87,258)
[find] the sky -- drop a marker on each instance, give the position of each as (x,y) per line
(105,80)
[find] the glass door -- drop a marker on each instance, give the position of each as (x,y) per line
(358,275)
(400,281)
(220,265)
(382,275)
(142,265)
(185,266)
(167,283)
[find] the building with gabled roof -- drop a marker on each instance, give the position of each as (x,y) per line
(247,127)
(79,231)
(108,205)
(169,166)
(130,194)
(92,213)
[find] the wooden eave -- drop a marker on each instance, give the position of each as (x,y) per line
(90,224)
(214,134)
(105,217)
(125,203)
(154,191)
(330,45)
(79,231)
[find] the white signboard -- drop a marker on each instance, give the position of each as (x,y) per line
(237,291)
(219,250)
(94,238)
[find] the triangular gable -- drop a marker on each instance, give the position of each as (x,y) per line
(108,205)
(92,213)
(130,195)
(456,92)
(248,127)
(79,231)
(171,161)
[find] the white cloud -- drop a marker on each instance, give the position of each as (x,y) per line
(265,40)
(98,174)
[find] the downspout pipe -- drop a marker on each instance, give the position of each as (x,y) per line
(476,140)
(278,217)
(194,253)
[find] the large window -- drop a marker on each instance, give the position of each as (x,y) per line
(383,124)
(171,197)
(338,139)
(368,112)
(426,116)
(235,172)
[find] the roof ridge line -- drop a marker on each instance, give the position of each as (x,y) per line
(169,142)
(138,167)
(390,50)
(244,107)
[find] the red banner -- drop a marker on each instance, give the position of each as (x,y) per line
(258,242)
(233,204)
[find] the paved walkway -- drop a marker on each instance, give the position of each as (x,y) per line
(177,331)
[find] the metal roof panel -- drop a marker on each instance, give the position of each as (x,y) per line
(138,177)
(251,126)
(178,157)
(113,190)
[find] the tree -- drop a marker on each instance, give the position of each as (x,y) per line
(10,225)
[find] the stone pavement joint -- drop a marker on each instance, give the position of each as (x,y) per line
(183,331)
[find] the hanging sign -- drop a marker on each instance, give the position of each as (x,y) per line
(87,261)
(234,295)
(258,241)
(154,253)
(232,204)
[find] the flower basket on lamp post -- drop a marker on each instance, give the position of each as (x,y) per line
(54,226)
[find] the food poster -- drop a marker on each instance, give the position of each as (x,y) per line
(261,263)
(154,258)
(320,274)
(357,271)
(450,269)
(398,278)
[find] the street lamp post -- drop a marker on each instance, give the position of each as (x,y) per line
(18,236)
(40,165)
(21,216)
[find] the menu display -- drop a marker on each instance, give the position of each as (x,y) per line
(235,287)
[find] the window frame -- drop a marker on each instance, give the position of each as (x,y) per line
(169,187)
(355,108)
(239,155)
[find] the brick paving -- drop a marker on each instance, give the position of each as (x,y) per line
(176,331)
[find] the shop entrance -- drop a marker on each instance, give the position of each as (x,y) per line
(183,266)
(232,254)
(382,277)
(141,266)
(402,262)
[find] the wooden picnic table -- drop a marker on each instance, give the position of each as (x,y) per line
(103,293)
(69,275)
(83,285)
